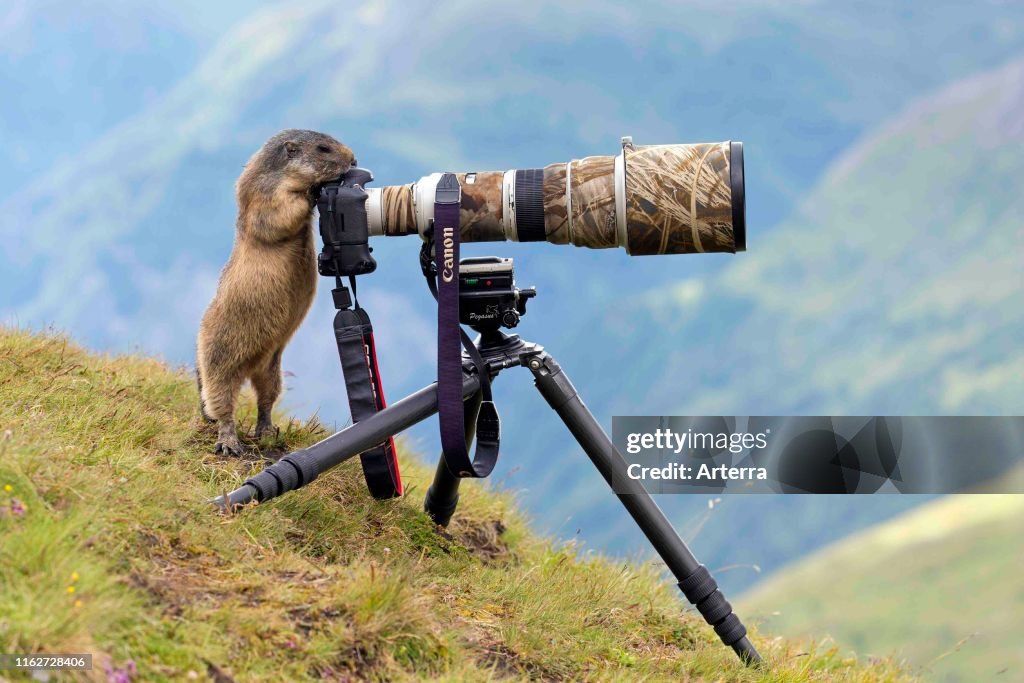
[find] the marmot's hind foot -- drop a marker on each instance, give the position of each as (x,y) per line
(231,447)
(264,429)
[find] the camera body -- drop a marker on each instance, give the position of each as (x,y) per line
(488,296)
(343,226)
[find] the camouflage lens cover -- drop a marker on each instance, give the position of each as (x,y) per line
(679,199)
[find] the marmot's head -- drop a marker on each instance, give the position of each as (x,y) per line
(306,157)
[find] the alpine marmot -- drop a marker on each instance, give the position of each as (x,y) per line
(267,286)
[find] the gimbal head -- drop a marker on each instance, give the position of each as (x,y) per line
(343,226)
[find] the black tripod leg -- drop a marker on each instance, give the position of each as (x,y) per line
(303,466)
(443,495)
(694,579)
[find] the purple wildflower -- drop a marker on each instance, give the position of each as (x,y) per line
(124,675)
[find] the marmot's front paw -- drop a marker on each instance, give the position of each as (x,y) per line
(228,445)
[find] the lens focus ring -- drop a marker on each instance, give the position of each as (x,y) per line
(529,193)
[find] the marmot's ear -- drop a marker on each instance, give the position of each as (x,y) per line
(291,148)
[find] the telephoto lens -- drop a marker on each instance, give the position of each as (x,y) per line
(648,199)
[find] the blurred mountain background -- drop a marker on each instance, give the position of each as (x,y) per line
(947,572)
(884,271)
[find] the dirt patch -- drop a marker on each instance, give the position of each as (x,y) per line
(306,620)
(173,587)
(508,663)
(177,575)
(353,664)
(481,538)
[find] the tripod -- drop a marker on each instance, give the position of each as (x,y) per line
(501,351)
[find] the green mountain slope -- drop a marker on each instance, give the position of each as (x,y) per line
(108,546)
(941,585)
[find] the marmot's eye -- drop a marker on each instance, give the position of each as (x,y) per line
(323,148)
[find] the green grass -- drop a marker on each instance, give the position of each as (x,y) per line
(118,554)
(941,585)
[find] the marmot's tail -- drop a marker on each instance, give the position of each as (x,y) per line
(202,406)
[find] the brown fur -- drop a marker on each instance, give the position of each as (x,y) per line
(267,286)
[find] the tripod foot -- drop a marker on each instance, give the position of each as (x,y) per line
(701,589)
(440,512)
(443,495)
(746,652)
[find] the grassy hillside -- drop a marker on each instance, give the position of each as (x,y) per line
(107,546)
(942,585)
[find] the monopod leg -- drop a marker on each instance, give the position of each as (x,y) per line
(443,495)
(694,579)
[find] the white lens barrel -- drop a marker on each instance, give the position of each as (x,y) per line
(374,211)
(423,200)
(620,202)
(508,205)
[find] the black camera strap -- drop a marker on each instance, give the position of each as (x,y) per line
(354,335)
(343,228)
(451,338)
